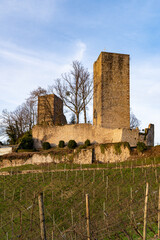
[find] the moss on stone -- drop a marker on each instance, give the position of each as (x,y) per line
(126,145)
(103,147)
(117,148)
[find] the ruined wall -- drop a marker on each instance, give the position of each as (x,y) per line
(81,132)
(149,132)
(85,156)
(108,154)
(111,103)
(134,135)
(50,110)
(78,132)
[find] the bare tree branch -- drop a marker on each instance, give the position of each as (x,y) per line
(134,122)
(75,89)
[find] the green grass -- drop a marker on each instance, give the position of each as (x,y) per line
(64,201)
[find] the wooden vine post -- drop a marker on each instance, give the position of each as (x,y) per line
(41,216)
(87,217)
(145,214)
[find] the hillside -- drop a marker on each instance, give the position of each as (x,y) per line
(116,197)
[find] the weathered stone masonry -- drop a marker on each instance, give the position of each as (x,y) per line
(50,110)
(111,101)
(81,132)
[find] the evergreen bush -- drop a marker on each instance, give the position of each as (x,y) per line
(26,141)
(46,145)
(61,144)
(87,143)
(72,144)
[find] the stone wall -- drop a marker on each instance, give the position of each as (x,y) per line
(99,153)
(107,153)
(111,103)
(81,132)
(78,132)
(132,136)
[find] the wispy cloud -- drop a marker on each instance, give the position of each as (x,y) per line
(23,70)
(81,48)
(34,9)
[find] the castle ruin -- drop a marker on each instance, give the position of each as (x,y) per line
(111,110)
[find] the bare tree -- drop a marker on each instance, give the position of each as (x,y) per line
(32,101)
(75,89)
(73,119)
(86,90)
(6,126)
(14,124)
(29,113)
(75,92)
(134,122)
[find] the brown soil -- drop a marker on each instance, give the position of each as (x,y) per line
(150,152)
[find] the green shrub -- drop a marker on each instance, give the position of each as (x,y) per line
(26,141)
(46,145)
(72,144)
(141,146)
(87,143)
(61,144)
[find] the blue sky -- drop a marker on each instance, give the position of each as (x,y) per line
(40,39)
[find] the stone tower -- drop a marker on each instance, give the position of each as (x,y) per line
(111,103)
(50,110)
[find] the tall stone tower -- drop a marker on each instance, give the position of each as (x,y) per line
(111,102)
(50,110)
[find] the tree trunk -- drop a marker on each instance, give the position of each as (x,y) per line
(77,116)
(85,115)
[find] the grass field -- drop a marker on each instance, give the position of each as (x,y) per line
(116,198)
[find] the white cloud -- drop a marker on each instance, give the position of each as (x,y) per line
(23,70)
(81,48)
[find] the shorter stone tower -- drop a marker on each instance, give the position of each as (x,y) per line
(50,110)
(111,101)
